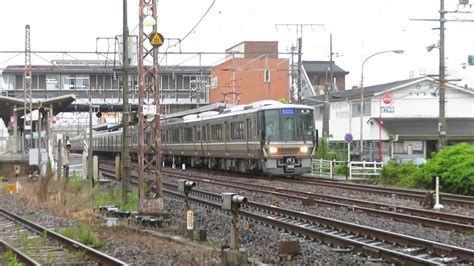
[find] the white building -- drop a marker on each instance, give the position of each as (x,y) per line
(409,115)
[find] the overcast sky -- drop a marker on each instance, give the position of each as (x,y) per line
(359,28)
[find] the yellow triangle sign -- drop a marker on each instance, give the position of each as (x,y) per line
(156,40)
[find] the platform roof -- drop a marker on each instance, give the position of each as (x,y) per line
(7,104)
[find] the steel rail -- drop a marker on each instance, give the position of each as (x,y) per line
(399,213)
(408,193)
(90,252)
(20,256)
(304,223)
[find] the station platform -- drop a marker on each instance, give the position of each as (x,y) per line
(12,165)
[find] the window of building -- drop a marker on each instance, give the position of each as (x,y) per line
(76,82)
(237,130)
(356,108)
(52,82)
(266,75)
(213,82)
(216,132)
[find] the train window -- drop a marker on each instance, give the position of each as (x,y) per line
(188,134)
(305,124)
(198,133)
(272,124)
(204,133)
(237,130)
(216,132)
(134,137)
(175,136)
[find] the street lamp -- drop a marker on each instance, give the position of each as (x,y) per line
(362,96)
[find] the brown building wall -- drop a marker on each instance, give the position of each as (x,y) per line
(249,80)
(321,80)
(255,49)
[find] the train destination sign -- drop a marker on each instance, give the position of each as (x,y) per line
(288,111)
(156,39)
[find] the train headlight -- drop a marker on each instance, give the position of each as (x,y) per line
(273,149)
(304,149)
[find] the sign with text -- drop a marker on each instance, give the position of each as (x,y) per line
(387,109)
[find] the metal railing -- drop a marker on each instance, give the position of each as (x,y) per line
(364,168)
(325,168)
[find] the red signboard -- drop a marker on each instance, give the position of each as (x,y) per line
(387,98)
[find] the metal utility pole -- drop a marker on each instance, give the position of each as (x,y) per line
(148,89)
(329,86)
(126,110)
(299,37)
(442,126)
(298,94)
(27,75)
(90,151)
(443,141)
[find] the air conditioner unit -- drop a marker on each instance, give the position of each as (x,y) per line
(464,2)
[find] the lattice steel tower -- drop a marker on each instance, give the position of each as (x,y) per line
(27,121)
(149,149)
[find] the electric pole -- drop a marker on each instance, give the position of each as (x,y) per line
(298,94)
(442,126)
(299,37)
(326,93)
(27,75)
(126,110)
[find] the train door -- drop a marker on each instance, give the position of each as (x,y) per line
(203,139)
(248,135)
(225,137)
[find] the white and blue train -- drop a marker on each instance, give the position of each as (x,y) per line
(269,137)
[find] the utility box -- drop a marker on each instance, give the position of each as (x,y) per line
(231,199)
(227,200)
(33,156)
(464,2)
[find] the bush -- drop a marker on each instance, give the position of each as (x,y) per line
(395,174)
(454,164)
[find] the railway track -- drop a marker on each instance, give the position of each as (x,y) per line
(418,195)
(430,218)
(33,244)
(350,237)
(451,199)
(344,236)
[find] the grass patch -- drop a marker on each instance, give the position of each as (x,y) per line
(114,197)
(10,258)
(81,233)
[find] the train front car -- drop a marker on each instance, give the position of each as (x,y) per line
(288,139)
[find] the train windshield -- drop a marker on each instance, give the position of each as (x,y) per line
(289,124)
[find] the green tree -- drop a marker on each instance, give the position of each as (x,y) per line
(283,100)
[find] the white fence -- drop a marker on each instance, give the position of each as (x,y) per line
(365,169)
(326,168)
